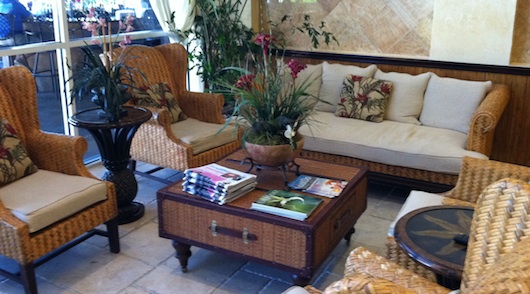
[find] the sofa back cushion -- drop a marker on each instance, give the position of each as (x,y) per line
(363,98)
(450,103)
(406,100)
(332,78)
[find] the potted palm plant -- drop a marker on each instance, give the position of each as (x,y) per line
(105,77)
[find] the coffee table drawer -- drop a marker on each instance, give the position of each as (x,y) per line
(203,226)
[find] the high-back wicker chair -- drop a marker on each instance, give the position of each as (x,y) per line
(475,175)
(161,142)
(497,258)
(61,175)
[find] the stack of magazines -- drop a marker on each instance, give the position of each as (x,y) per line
(217,183)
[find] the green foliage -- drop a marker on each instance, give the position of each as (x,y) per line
(223,39)
(315,33)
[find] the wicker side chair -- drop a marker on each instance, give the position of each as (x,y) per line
(497,259)
(161,142)
(67,201)
(475,175)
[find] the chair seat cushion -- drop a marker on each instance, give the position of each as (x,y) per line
(203,136)
(415,200)
(43,198)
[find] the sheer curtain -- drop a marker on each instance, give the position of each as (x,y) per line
(184,14)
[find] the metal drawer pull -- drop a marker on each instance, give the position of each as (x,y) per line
(222,231)
(245,236)
(213,228)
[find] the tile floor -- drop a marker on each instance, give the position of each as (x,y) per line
(146,263)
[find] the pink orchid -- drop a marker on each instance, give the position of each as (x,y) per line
(296,67)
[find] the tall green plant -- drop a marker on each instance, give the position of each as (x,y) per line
(222,37)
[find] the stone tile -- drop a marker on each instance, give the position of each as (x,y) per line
(275,287)
(89,269)
(243,282)
(133,290)
(145,245)
(43,286)
(164,279)
(267,271)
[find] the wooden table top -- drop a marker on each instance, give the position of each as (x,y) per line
(426,234)
(272,179)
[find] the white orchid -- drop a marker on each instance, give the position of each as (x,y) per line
(289,132)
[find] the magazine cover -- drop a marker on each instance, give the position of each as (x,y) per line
(288,204)
(219,176)
(319,186)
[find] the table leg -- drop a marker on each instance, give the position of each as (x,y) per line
(347,237)
(183,253)
(301,281)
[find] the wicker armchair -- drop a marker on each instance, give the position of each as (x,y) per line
(61,175)
(497,259)
(158,141)
(475,175)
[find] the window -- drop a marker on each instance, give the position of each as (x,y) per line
(43,39)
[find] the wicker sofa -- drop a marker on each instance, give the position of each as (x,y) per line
(430,124)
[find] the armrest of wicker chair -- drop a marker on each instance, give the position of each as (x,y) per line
(205,107)
(365,284)
(363,261)
(58,153)
(483,123)
(476,174)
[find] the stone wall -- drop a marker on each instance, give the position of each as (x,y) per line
(399,28)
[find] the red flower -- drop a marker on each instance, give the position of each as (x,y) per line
(264,40)
(356,78)
(385,88)
(245,82)
(363,98)
(10,129)
(296,67)
(3,152)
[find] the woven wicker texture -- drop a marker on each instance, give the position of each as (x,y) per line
(154,142)
(365,284)
(498,254)
(481,135)
(475,175)
(54,152)
(501,219)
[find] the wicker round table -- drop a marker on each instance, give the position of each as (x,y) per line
(427,236)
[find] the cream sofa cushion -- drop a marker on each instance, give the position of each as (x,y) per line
(450,103)
(203,136)
(332,77)
(388,142)
(415,200)
(46,197)
(406,99)
(312,73)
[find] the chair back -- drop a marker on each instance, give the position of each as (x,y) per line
(500,222)
(18,101)
(161,64)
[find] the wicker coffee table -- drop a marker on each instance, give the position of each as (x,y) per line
(298,247)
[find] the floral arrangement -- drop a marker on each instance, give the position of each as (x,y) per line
(104,77)
(273,103)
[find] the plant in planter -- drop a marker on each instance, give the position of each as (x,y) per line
(104,78)
(273,104)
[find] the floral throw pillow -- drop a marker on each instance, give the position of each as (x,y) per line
(159,96)
(14,160)
(363,98)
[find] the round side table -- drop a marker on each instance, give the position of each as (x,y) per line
(114,143)
(426,235)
